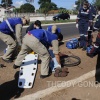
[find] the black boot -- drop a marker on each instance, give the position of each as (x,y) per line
(15,66)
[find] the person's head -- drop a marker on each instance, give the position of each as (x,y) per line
(85,6)
(60,37)
(25,20)
(37,24)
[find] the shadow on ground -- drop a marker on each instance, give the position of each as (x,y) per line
(10,89)
(97,74)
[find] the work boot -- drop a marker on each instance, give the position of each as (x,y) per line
(44,76)
(15,66)
(8,61)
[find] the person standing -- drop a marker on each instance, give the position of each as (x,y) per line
(83,21)
(93,11)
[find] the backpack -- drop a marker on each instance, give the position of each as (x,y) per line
(72,44)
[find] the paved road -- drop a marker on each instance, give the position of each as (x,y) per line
(68,30)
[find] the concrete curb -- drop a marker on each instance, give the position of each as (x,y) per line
(48,91)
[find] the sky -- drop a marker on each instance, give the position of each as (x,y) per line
(68,4)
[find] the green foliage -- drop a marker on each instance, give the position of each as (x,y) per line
(27,8)
(63,10)
(46,5)
(79,3)
(97,3)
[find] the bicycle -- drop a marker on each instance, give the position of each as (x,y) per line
(69,61)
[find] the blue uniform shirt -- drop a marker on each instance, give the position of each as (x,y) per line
(58,30)
(84,15)
(4,27)
(44,36)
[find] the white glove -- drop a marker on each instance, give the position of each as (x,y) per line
(88,28)
(76,25)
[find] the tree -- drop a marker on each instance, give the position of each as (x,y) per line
(27,8)
(46,6)
(6,3)
(96,3)
(62,10)
(79,3)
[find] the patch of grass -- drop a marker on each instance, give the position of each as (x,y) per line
(57,21)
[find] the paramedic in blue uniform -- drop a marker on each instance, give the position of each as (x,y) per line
(55,30)
(9,28)
(35,25)
(93,11)
(39,40)
(83,21)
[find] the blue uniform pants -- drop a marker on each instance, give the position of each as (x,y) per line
(83,27)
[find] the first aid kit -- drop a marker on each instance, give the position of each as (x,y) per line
(72,44)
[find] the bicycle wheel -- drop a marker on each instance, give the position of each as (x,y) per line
(70,60)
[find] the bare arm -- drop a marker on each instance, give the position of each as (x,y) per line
(55,45)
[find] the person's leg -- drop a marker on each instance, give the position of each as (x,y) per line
(22,53)
(10,42)
(85,35)
(81,41)
(40,49)
(53,64)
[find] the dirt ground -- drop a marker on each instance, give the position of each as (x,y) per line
(9,77)
(86,90)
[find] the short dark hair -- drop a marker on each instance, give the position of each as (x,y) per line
(60,37)
(38,23)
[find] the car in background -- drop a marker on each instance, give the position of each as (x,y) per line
(61,16)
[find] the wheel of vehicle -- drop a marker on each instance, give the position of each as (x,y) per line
(68,18)
(58,18)
(70,60)
(54,19)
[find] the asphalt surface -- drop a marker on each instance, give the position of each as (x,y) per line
(68,31)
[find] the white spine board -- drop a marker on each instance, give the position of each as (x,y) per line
(27,71)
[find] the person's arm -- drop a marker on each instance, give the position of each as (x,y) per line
(18,30)
(97,24)
(55,46)
(31,27)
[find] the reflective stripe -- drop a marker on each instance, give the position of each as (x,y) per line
(9,25)
(78,18)
(95,28)
(84,12)
(96,46)
(81,34)
(85,35)
(93,15)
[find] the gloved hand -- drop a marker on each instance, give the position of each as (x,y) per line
(93,52)
(88,28)
(76,25)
